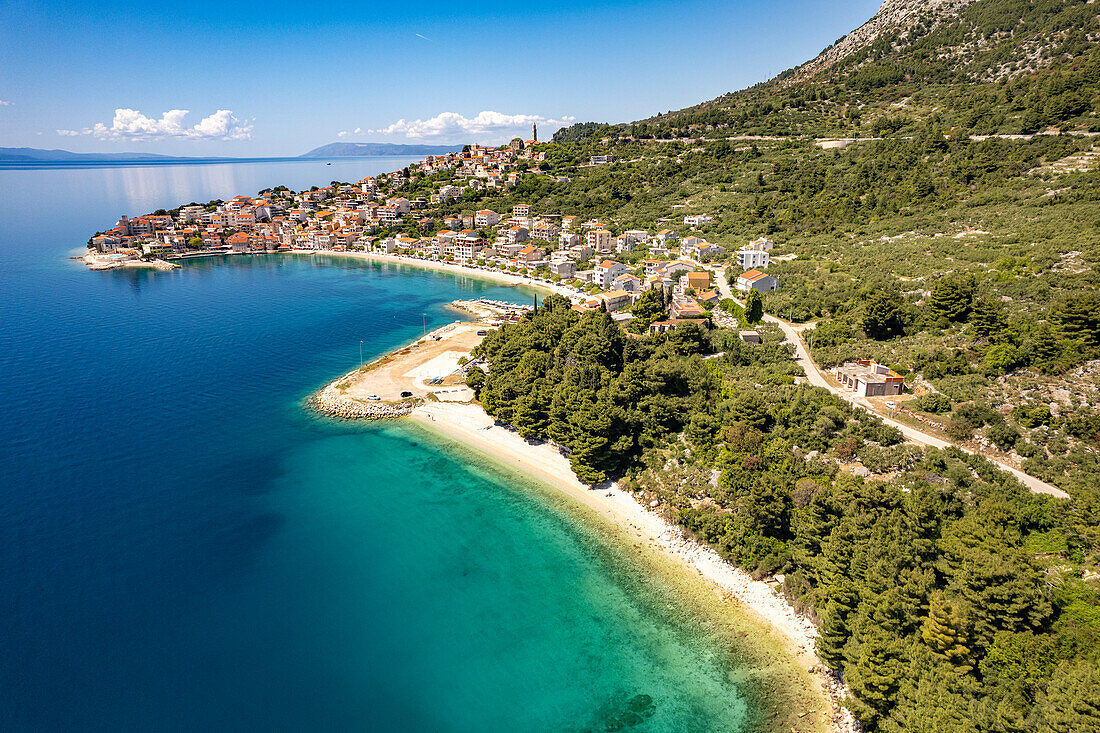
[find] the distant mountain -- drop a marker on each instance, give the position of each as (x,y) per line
(357,150)
(37,155)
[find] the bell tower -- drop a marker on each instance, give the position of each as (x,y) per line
(534,132)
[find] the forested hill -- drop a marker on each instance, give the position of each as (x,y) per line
(974,66)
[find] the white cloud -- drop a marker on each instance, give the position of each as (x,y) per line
(453,127)
(342,133)
(5,103)
(129,124)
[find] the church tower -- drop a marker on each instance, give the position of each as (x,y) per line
(534,132)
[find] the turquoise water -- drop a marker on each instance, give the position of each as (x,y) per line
(183,546)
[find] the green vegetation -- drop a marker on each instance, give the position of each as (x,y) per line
(950,598)
(932,581)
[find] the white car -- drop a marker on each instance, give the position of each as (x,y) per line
(890,404)
(373,397)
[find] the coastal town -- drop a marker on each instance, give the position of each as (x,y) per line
(599,265)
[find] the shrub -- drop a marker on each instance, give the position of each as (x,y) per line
(933,402)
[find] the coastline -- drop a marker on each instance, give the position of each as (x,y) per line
(426,371)
(506,278)
(468,425)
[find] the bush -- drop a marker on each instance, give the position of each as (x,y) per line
(1003,435)
(933,402)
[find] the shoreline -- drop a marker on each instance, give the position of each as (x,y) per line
(447,409)
(506,278)
(470,426)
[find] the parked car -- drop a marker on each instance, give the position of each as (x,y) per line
(482,333)
(406,394)
(373,397)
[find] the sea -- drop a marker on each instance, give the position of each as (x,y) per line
(185,546)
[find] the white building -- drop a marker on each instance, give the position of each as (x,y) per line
(607,271)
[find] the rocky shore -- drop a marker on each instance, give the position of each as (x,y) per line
(332,401)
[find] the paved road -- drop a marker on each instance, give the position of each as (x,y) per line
(816,378)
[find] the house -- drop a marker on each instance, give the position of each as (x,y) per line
(512,235)
(629,283)
(486,218)
(607,271)
(568,239)
(686,309)
(699,248)
(869,379)
(665,236)
(544,231)
(599,240)
(666,326)
(752,259)
(707,297)
(695,220)
(616,300)
(528,255)
(750,337)
(756,280)
(600,159)
(563,268)
(698,280)
(754,255)
(238,241)
(568,222)
(521,210)
(466,249)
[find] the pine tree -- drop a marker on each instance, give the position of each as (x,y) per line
(986,318)
(943,631)
(951,298)
(834,634)
(882,316)
(1072,700)
(875,675)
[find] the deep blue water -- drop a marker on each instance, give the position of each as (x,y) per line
(183,546)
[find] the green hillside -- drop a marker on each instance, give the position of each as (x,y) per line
(995,66)
(949,597)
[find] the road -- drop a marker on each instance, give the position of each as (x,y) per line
(816,378)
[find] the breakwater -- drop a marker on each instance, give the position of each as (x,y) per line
(332,401)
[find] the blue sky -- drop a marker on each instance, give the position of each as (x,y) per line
(280,78)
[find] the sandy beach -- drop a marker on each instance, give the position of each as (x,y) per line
(441,402)
(507,278)
(468,424)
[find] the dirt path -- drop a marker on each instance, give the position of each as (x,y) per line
(815,377)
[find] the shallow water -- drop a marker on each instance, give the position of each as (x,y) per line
(183,546)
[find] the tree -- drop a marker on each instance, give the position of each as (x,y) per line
(834,633)
(649,307)
(1004,358)
(1072,700)
(943,631)
(882,318)
(875,675)
(986,317)
(1079,317)
(475,379)
(754,306)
